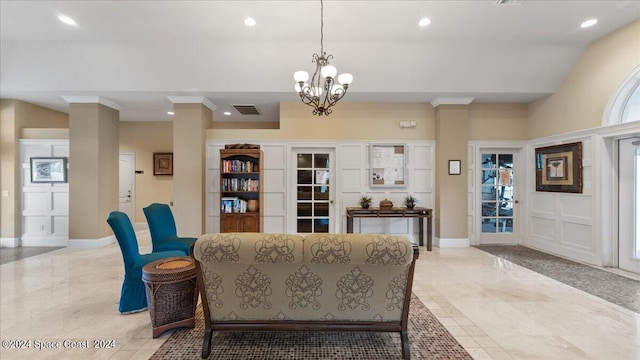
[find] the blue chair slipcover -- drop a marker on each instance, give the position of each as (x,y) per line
(133,297)
(162,227)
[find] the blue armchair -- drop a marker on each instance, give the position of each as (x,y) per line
(133,296)
(162,227)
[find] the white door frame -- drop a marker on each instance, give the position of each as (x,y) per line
(475,192)
(294,149)
(627,216)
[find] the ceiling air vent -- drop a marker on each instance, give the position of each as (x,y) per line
(507,2)
(247,109)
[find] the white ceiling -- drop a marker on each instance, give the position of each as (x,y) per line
(136,53)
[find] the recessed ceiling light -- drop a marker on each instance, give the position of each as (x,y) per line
(67,20)
(226,113)
(249,22)
(589,23)
(424,22)
(170,112)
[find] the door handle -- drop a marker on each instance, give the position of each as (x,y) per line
(330,201)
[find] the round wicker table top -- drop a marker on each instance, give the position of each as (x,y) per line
(169,270)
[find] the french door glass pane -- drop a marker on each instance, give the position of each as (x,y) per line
(497,193)
(313,187)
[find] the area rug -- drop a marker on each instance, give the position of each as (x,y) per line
(611,287)
(429,339)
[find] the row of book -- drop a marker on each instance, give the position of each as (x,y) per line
(238,184)
(233,205)
(238,166)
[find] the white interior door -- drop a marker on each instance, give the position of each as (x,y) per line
(126,185)
(629,205)
(314,190)
(498,196)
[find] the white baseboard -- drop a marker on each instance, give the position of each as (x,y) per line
(450,243)
(90,243)
(9,242)
(44,241)
(140,226)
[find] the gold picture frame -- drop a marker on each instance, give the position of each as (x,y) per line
(559,168)
(162,164)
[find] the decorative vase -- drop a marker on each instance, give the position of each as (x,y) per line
(252,205)
(386,204)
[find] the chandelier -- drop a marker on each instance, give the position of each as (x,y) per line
(322,92)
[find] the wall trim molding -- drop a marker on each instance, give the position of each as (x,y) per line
(90,243)
(193,100)
(92,99)
(44,240)
(450,243)
(9,242)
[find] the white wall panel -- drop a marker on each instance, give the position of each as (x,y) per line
(60,226)
(542,228)
(273,180)
(352,156)
(274,203)
(34,225)
(60,201)
(576,235)
(351,180)
(543,204)
(274,156)
(422,180)
(60,150)
(274,224)
(36,150)
(35,201)
(576,208)
(422,156)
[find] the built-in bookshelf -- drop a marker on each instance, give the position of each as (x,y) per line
(240,190)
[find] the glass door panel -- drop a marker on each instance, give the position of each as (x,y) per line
(313,199)
(497,198)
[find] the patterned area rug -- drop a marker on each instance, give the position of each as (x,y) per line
(428,338)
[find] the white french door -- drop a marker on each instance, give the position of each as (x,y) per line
(314,191)
(498,196)
(629,205)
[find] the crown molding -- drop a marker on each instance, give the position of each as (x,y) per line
(451,101)
(73,99)
(193,100)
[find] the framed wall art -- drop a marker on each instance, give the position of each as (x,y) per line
(559,168)
(48,169)
(162,163)
(455,167)
(388,165)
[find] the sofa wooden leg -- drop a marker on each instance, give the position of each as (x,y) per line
(404,336)
(206,345)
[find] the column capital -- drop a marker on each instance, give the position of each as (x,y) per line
(92,99)
(193,100)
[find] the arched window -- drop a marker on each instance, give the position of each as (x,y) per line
(624,103)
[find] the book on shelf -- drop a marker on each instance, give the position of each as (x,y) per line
(232,204)
(238,166)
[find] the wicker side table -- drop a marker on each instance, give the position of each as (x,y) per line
(172,294)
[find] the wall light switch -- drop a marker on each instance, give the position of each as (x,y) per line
(5,193)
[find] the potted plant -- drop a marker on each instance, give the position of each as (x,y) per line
(410,202)
(365,201)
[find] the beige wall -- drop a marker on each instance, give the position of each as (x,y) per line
(143,138)
(580,101)
(16,115)
(355,120)
(497,121)
(93,169)
(189,128)
(450,213)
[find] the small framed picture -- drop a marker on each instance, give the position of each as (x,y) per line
(48,169)
(162,163)
(454,167)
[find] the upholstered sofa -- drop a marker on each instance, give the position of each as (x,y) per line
(319,282)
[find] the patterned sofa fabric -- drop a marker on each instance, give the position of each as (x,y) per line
(332,277)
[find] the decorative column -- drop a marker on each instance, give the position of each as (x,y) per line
(93,169)
(192,117)
(451,208)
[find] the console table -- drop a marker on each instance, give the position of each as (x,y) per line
(394,212)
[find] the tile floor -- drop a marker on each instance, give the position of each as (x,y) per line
(496,310)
